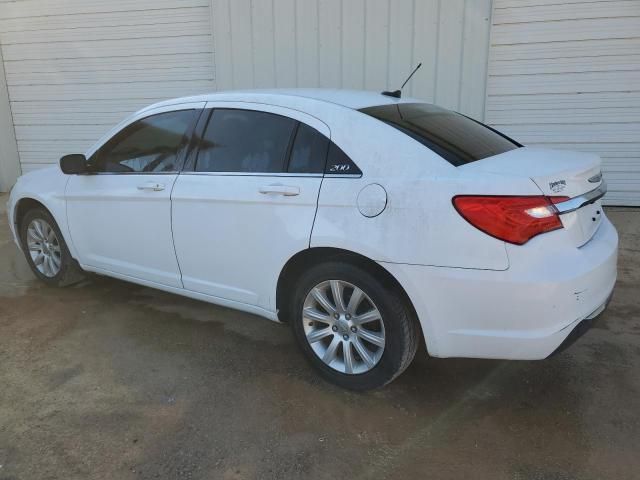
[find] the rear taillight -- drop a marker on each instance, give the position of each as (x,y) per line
(510,218)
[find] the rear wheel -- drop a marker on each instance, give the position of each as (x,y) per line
(359,333)
(46,251)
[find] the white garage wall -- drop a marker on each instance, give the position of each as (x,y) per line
(370,44)
(74,68)
(567,75)
(9,159)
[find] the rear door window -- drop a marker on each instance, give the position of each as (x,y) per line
(309,151)
(245,141)
(456,138)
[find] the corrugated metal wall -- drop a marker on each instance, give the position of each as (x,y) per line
(561,73)
(360,44)
(567,75)
(9,158)
(74,68)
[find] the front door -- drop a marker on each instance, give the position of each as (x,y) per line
(119,215)
(250,201)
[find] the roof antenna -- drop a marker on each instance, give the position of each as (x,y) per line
(398,93)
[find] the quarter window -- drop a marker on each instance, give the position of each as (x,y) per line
(245,141)
(339,163)
(148,145)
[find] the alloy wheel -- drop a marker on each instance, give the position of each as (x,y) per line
(44,247)
(343,327)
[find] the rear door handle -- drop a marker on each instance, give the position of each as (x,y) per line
(286,190)
(153,186)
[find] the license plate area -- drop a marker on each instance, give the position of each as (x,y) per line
(583,223)
(590,218)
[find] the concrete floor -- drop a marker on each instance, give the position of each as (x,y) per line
(108,380)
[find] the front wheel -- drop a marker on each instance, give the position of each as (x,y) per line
(358,332)
(46,251)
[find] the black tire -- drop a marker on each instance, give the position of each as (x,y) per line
(70,272)
(400,325)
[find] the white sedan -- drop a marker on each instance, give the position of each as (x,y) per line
(366,222)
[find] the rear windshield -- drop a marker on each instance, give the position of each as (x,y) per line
(456,138)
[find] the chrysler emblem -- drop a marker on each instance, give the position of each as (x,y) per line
(596,178)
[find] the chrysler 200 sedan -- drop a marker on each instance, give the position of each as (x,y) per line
(366,222)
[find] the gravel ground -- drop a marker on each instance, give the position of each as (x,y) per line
(108,380)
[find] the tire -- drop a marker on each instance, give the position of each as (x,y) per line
(397,324)
(68,272)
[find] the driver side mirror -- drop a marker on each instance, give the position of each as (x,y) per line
(73,164)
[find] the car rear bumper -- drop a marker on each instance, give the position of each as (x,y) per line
(525,312)
(581,328)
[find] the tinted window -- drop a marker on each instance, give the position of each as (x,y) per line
(309,151)
(244,141)
(148,145)
(454,137)
(339,163)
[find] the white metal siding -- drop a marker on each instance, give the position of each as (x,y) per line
(566,74)
(360,44)
(75,68)
(9,159)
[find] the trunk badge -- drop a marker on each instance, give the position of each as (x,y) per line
(557,186)
(595,178)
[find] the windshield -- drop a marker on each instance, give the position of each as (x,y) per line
(456,138)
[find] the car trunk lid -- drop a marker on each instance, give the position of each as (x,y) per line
(557,173)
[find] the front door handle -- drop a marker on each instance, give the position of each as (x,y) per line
(153,186)
(286,190)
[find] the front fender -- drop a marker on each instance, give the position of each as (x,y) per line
(46,186)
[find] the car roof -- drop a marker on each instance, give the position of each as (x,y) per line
(353,99)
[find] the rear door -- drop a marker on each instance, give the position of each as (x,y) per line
(249,201)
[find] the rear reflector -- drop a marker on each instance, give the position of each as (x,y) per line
(510,218)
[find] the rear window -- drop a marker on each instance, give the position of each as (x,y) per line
(456,138)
